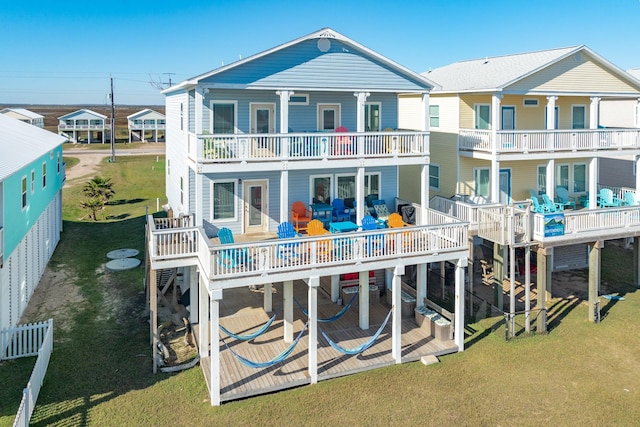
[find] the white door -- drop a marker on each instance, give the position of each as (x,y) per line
(255,206)
(328,117)
(263,121)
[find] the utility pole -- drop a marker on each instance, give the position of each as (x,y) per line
(113,126)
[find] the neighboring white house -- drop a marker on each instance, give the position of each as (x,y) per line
(31,180)
(83,123)
(25,115)
(146,122)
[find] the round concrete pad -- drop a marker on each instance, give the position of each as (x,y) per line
(122,253)
(122,264)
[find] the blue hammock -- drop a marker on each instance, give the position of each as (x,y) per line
(360,348)
(255,334)
(335,316)
(279,358)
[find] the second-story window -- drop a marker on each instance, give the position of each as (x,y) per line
(24,192)
(372,117)
(434,176)
(44,175)
(434,116)
(33,181)
(223,118)
(482,116)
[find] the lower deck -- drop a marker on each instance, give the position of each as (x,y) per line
(241,312)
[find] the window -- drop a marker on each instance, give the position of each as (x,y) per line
(530,102)
(578,117)
(181,191)
(372,117)
(562,176)
(33,181)
(482,116)
(328,116)
(346,186)
(321,189)
(224,200)
(372,184)
(434,176)
(24,192)
(542,179)
(58,162)
(580,178)
(434,116)
(481,179)
(224,117)
(181,116)
(44,175)
(302,99)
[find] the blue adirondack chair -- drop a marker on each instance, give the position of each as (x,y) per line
(539,207)
(340,211)
(553,206)
(562,196)
(231,257)
(287,231)
(607,199)
(630,199)
(375,242)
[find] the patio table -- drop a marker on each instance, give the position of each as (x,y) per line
(342,227)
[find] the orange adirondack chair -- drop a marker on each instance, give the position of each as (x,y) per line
(323,247)
(300,216)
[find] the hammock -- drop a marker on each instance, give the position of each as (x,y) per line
(279,358)
(360,348)
(255,334)
(335,316)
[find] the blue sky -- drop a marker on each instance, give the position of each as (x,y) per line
(64,52)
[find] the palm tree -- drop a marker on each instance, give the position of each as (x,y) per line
(98,191)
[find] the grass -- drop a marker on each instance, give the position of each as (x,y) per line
(100,371)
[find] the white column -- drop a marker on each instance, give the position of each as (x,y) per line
(424,194)
(198,197)
(361,208)
(214,380)
(314,281)
(153,316)
(593,182)
(495,180)
(287,301)
(421,288)
(551,178)
(284,120)
(335,287)
(551,112)
(424,105)
(495,119)
(203,330)
(200,94)
(268,297)
(360,119)
(363,303)
(194,293)
(459,304)
(594,109)
(284,196)
(396,326)
(636,116)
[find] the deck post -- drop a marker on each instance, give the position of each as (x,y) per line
(287,301)
(594,276)
(363,302)
(636,260)
(424,194)
(335,287)
(314,281)
(421,289)
(268,299)
(458,321)
(214,359)
(284,196)
(498,275)
(541,290)
(203,338)
(396,326)
(361,207)
(593,183)
(527,287)
(194,292)
(153,313)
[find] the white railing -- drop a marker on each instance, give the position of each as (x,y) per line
(619,192)
(526,141)
(506,225)
(304,146)
(593,221)
(173,237)
(461,207)
(42,335)
(82,127)
(146,126)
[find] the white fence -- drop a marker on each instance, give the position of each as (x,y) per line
(23,341)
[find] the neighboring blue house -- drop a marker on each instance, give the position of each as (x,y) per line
(83,124)
(145,122)
(310,121)
(31,180)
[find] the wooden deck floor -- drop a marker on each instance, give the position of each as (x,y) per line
(242,313)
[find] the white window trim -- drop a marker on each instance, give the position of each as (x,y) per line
(475,172)
(515,116)
(58,163)
(439,178)
(586,117)
(321,107)
(44,175)
(557,176)
(33,181)
(475,115)
(269,105)
(538,167)
(379,174)
(301,95)
(236,186)
(379,104)
(235,113)
(432,116)
(572,180)
(524,102)
(312,190)
(243,200)
(343,175)
(24,194)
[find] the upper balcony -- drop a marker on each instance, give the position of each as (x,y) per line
(308,149)
(85,126)
(528,144)
(146,126)
(175,242)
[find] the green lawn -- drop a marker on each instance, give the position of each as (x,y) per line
(100,371)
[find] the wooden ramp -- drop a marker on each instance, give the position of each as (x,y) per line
(242,313)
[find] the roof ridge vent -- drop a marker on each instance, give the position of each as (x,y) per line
(486,60)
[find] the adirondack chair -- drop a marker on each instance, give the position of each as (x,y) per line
(553,206)
(340,211)
(382,212)
(287,250)
(539,207)
(607,199)
(323,247)
(375,242)
(231,257)
(534,194)
(562,196)
(395,221)
(300,216)
(630,199)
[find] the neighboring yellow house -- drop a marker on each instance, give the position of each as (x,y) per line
(506,128)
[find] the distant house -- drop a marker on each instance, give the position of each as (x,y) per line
(83,126)
(146,122)
(25,115)
(31,181)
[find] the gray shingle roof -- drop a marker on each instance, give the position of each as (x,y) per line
(493,72)
(22,143)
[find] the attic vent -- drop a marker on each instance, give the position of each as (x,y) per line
(324,45)
(328,34)
(577,56)
(530,102)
